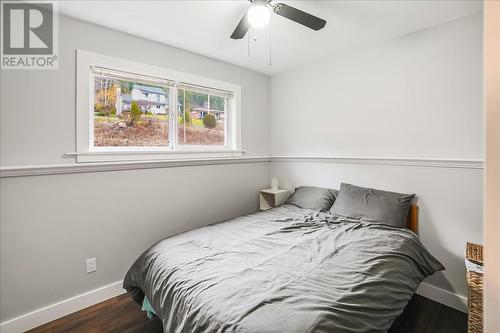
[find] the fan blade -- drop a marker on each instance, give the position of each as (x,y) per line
(241,28)
(299,16)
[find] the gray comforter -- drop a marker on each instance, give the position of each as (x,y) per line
(284,270)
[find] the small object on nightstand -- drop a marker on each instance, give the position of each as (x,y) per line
(270,199)
(475,272)
(275,184)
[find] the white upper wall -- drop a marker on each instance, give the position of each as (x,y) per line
(204,26)
(37,119)
(418,96)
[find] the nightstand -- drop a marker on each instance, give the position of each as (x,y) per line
(270,199)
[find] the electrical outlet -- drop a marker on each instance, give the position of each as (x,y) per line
(91,265)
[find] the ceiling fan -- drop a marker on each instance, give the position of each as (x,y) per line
(259,14)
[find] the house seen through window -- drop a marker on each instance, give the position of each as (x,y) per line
(137,111)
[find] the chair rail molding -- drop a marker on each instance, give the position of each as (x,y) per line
(394,161)
(55,169)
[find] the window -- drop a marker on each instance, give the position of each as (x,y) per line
(123,115)
(201,116)
(131,111)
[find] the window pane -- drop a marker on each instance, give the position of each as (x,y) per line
(217,103)
(201,119)
(129,113)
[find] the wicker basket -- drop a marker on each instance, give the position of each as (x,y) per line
(474,254)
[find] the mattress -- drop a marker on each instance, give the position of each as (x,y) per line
(283,270)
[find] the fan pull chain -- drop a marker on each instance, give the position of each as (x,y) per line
(270,46)
(248,43)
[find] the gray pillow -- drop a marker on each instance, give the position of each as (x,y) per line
(370,205)
(315,198)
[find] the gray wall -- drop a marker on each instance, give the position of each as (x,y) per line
(416,96)
(51,224)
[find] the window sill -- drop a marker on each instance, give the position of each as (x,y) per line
(154,155)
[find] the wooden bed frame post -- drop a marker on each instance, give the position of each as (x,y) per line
(412,222)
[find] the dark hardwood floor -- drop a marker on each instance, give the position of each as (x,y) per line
(121,314)
(423,315)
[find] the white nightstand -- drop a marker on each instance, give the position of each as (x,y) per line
(270,199)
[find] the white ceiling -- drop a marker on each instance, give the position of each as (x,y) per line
(204,27)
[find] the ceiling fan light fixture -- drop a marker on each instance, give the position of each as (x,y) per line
(259,15)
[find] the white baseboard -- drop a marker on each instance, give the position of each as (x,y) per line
(442,296)
(60,309)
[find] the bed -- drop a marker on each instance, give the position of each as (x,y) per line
(287,269)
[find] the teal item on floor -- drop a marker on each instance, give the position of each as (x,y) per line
(146,306)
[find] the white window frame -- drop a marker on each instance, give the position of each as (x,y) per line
(85,152)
